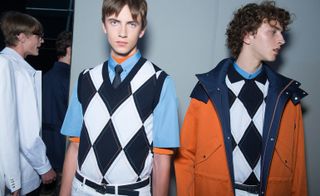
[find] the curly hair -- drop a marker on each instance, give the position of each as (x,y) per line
(64,40)
(249,18)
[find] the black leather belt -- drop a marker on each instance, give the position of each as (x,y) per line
(122,189)
(249,188)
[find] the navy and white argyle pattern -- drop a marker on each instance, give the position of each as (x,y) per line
(247,110)
(116,136)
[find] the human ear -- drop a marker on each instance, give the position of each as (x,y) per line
(104,28)
(142,32)
(22,37)
(248,37)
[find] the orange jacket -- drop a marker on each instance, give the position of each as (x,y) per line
(204,165)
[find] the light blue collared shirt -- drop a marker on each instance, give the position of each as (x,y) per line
(245,74)
(165,115)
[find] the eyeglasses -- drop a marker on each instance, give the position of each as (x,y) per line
(40,35)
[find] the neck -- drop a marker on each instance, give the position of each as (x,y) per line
(121,59)
(65,59)
(248,63)
(19,49)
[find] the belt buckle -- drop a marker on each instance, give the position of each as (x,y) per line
(102,189)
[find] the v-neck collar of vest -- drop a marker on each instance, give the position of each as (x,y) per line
(127,79)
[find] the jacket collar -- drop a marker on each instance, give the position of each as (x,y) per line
(23,64)
(215,79)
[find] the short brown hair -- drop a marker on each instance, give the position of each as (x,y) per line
(249,18)
(13,23)
(137,7)
(64,40)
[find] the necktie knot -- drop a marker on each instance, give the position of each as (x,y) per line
(117,79)
(118,69)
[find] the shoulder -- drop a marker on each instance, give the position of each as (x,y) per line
(4,63)
(3,60)
(160,73)
(92,70)
(199,93)
(296,93)
(291,86)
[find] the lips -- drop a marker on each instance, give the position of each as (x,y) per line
(276,50)
(121,43)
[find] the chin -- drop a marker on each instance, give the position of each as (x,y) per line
(122,52)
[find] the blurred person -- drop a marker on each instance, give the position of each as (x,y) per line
(55,95)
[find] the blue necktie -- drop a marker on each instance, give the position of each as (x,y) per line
(117,79)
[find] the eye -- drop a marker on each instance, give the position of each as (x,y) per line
(114,22)
(133,24)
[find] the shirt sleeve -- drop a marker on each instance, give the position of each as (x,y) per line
(73,120)
(166,125)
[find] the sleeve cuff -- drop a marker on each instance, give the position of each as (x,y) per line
(44,169)
(165,151)
(74,139)
(13,184)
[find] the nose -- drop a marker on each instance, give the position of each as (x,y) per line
(123,31)
(281,39)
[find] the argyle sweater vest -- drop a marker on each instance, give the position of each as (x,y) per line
(116,136)
(247,110)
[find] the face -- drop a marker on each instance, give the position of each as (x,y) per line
(123,32)
(32,44)
(266,43)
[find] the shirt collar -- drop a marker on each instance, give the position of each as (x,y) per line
(245,74)
(22,62)
(235,74)
(127,65)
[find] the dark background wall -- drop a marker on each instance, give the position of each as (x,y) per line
(54,15)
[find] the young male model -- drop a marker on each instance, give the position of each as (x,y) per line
(125,112)
(243,131)
(23,37)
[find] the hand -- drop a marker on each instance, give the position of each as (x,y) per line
(16,193)
(48,177)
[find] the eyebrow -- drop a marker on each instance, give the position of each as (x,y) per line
(113,19)
(276,27)
(128,22)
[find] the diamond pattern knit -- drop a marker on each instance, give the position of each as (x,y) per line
(116,136)
(247,107)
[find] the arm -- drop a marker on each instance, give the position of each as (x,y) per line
(165,137)
(32,146)
(9,136)
(161,174)
(69,168)
(299,185)
(71,127)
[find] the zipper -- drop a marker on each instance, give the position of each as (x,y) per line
(271,122)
